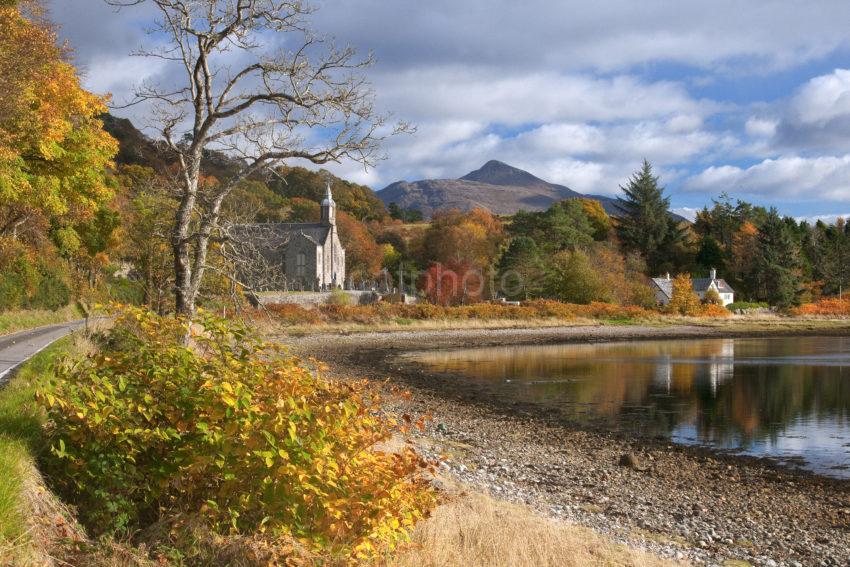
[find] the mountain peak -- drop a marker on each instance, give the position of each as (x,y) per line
(495,172)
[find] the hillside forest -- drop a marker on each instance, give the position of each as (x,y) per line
(86,202)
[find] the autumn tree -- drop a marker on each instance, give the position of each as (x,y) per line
(53,151)
(307,102)
(599,219)
(684,301)
(456,283)
(744,254)
(473,238)
(363,256)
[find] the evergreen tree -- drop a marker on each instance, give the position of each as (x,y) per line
(565,225)
(710,254)
(646,225)
(836,257)
(777,262)
(521,268)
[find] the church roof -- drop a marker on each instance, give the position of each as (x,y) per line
(278,234)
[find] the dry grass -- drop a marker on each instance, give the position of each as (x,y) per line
(477,531)
(14,321)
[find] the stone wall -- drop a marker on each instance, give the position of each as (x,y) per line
(316,298)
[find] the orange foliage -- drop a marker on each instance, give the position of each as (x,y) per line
(713,310)
(473,238)
(832,306)
(363,255)
(392,312)
(457,283)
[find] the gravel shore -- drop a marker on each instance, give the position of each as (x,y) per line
(679,502)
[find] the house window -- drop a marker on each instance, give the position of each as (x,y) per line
(301,265)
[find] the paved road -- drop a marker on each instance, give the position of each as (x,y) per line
(17,348)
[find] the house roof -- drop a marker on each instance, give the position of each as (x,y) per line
(699,285)
(665,285)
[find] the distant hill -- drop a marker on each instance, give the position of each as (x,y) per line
(135,148)
(497,186)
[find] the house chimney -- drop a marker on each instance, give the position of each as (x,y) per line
(713,274)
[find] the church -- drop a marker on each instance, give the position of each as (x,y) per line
(310,255)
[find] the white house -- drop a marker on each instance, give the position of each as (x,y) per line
(663,288)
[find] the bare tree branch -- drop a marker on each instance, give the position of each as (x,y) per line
(254,104)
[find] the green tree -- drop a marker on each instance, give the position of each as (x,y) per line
(646,225)
(777,262)
(574,279)
(521,269)
(563,226)
(836,257)
(710,254)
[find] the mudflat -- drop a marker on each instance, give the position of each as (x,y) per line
(682,502)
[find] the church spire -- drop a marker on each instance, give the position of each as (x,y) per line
(328,207)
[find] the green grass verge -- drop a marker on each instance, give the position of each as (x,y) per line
(20,434)
(13,321)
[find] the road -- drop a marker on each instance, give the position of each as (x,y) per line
(17,348)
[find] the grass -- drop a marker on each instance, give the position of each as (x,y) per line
(475,530)
(21,320)
(20,433)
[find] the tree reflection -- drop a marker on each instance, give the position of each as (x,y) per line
(732,393)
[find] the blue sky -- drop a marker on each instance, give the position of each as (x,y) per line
(748,98)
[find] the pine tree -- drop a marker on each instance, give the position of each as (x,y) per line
(777,262)
(521,268)
(646,225)
(836,257)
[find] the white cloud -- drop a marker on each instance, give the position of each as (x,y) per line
(827,219)
(761,127)
(822,178)
(483,94)
(689,213)
(823,98)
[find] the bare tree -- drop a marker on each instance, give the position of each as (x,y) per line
(260,105)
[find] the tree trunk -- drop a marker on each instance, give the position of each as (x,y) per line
(184,295)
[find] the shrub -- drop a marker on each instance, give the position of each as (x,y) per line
(51,293)
(338,297)
(230,429)
(712,297)
(714,310)
(746,306)
(831,307)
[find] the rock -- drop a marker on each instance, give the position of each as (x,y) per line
(629,460)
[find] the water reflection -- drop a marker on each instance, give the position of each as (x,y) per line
(785,397)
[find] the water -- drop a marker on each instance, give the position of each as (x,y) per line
(784,398)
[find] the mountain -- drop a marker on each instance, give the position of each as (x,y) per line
(497,186)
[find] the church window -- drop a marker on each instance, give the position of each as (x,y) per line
(301,265)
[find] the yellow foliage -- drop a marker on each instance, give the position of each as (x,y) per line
(53,150)
(684,300)
(232,429)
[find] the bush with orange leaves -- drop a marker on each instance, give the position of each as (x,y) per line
(379,313)
(832,306)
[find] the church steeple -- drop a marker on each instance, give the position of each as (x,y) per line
(328,208)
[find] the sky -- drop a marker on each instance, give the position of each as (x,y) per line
(747,98)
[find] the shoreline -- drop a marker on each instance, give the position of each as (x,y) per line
(683,502)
